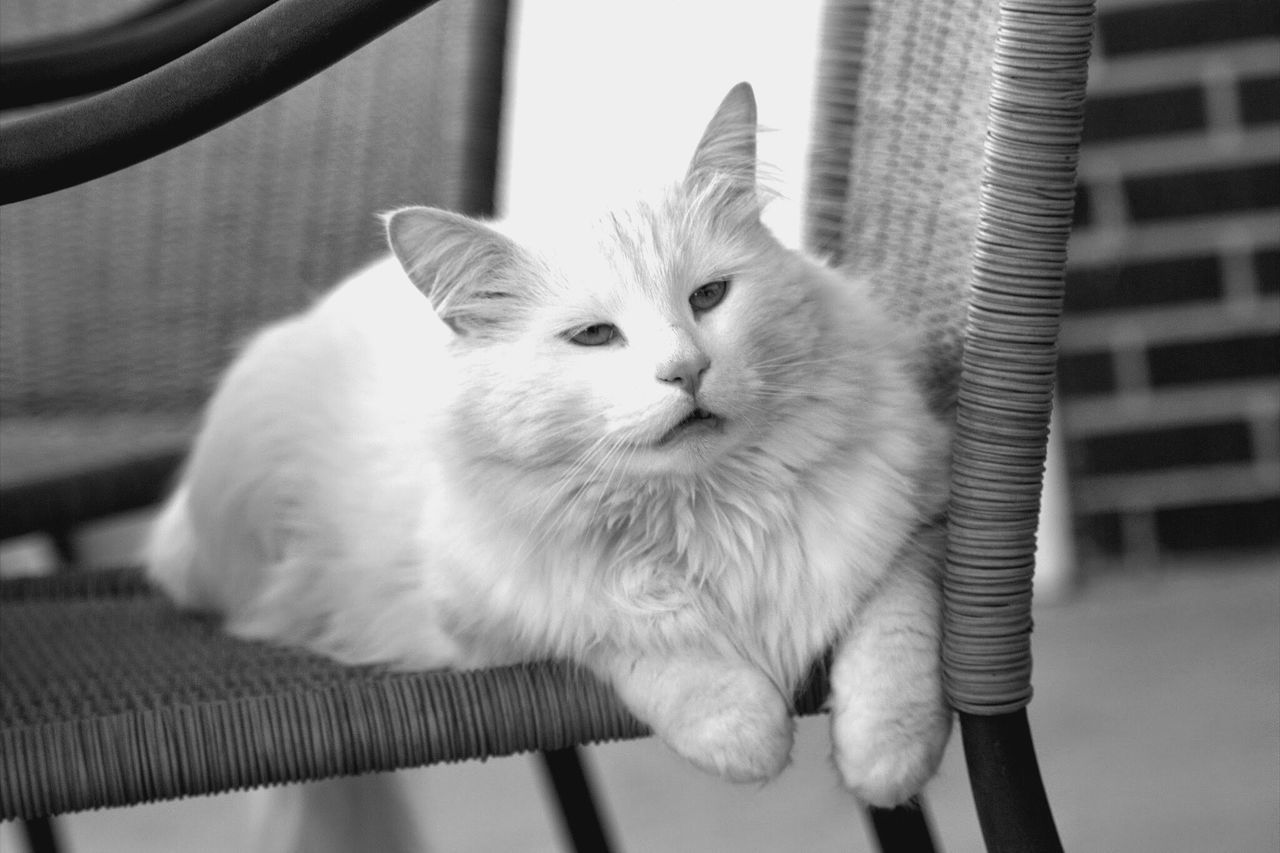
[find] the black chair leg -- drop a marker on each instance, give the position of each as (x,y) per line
(579,817)
(903,830)
(40,835)
(1008,791)
(40,832)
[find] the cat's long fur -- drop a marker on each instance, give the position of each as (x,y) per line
(425,469)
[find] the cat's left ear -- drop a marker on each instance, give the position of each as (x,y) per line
(465,268)
(727,151)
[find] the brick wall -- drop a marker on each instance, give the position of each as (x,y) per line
(1170,363)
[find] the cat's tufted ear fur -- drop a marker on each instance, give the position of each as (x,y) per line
(466,268)
(726,154)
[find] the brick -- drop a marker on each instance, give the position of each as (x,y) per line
(1188,24)
(1114,117)
(1086,373)
(1260,100)
(1137,284)
(1099,534)
(1266,266)
(1155,449)
(1246,525)
(1170,196)
(1207,361)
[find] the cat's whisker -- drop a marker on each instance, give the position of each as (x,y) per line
(887,343)
(774,393)
(544,508)
(564,485)
(622,452)
(575,486)
(609,452)
(556,510)
(787,361)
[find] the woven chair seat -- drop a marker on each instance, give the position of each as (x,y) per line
(110,696)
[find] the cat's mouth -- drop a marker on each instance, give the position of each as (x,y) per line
(699,422)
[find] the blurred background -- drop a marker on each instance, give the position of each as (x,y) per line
(1157,710)
(1170,349)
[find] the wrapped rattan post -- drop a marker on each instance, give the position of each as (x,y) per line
(1006,389)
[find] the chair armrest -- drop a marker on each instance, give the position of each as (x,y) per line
(227,76)
(50,69)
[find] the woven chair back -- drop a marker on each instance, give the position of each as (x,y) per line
(128,293)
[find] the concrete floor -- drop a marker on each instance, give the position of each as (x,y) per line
(1157,718)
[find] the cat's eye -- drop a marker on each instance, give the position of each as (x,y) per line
(595,335)
(709,295)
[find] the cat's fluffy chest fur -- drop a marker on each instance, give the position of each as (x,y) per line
(665,447)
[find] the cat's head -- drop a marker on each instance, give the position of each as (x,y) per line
(657,338)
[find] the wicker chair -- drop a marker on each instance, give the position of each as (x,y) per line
(945,150)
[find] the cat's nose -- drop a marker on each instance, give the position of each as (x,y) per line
(686,371)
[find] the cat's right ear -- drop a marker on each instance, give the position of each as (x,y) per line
(726,154)
(464,267)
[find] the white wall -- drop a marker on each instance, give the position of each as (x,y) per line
(604,96)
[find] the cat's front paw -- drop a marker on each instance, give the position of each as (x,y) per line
(725,717)
(743,741)
(742,744)
(886,760)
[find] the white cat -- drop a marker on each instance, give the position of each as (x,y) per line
(661,445)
